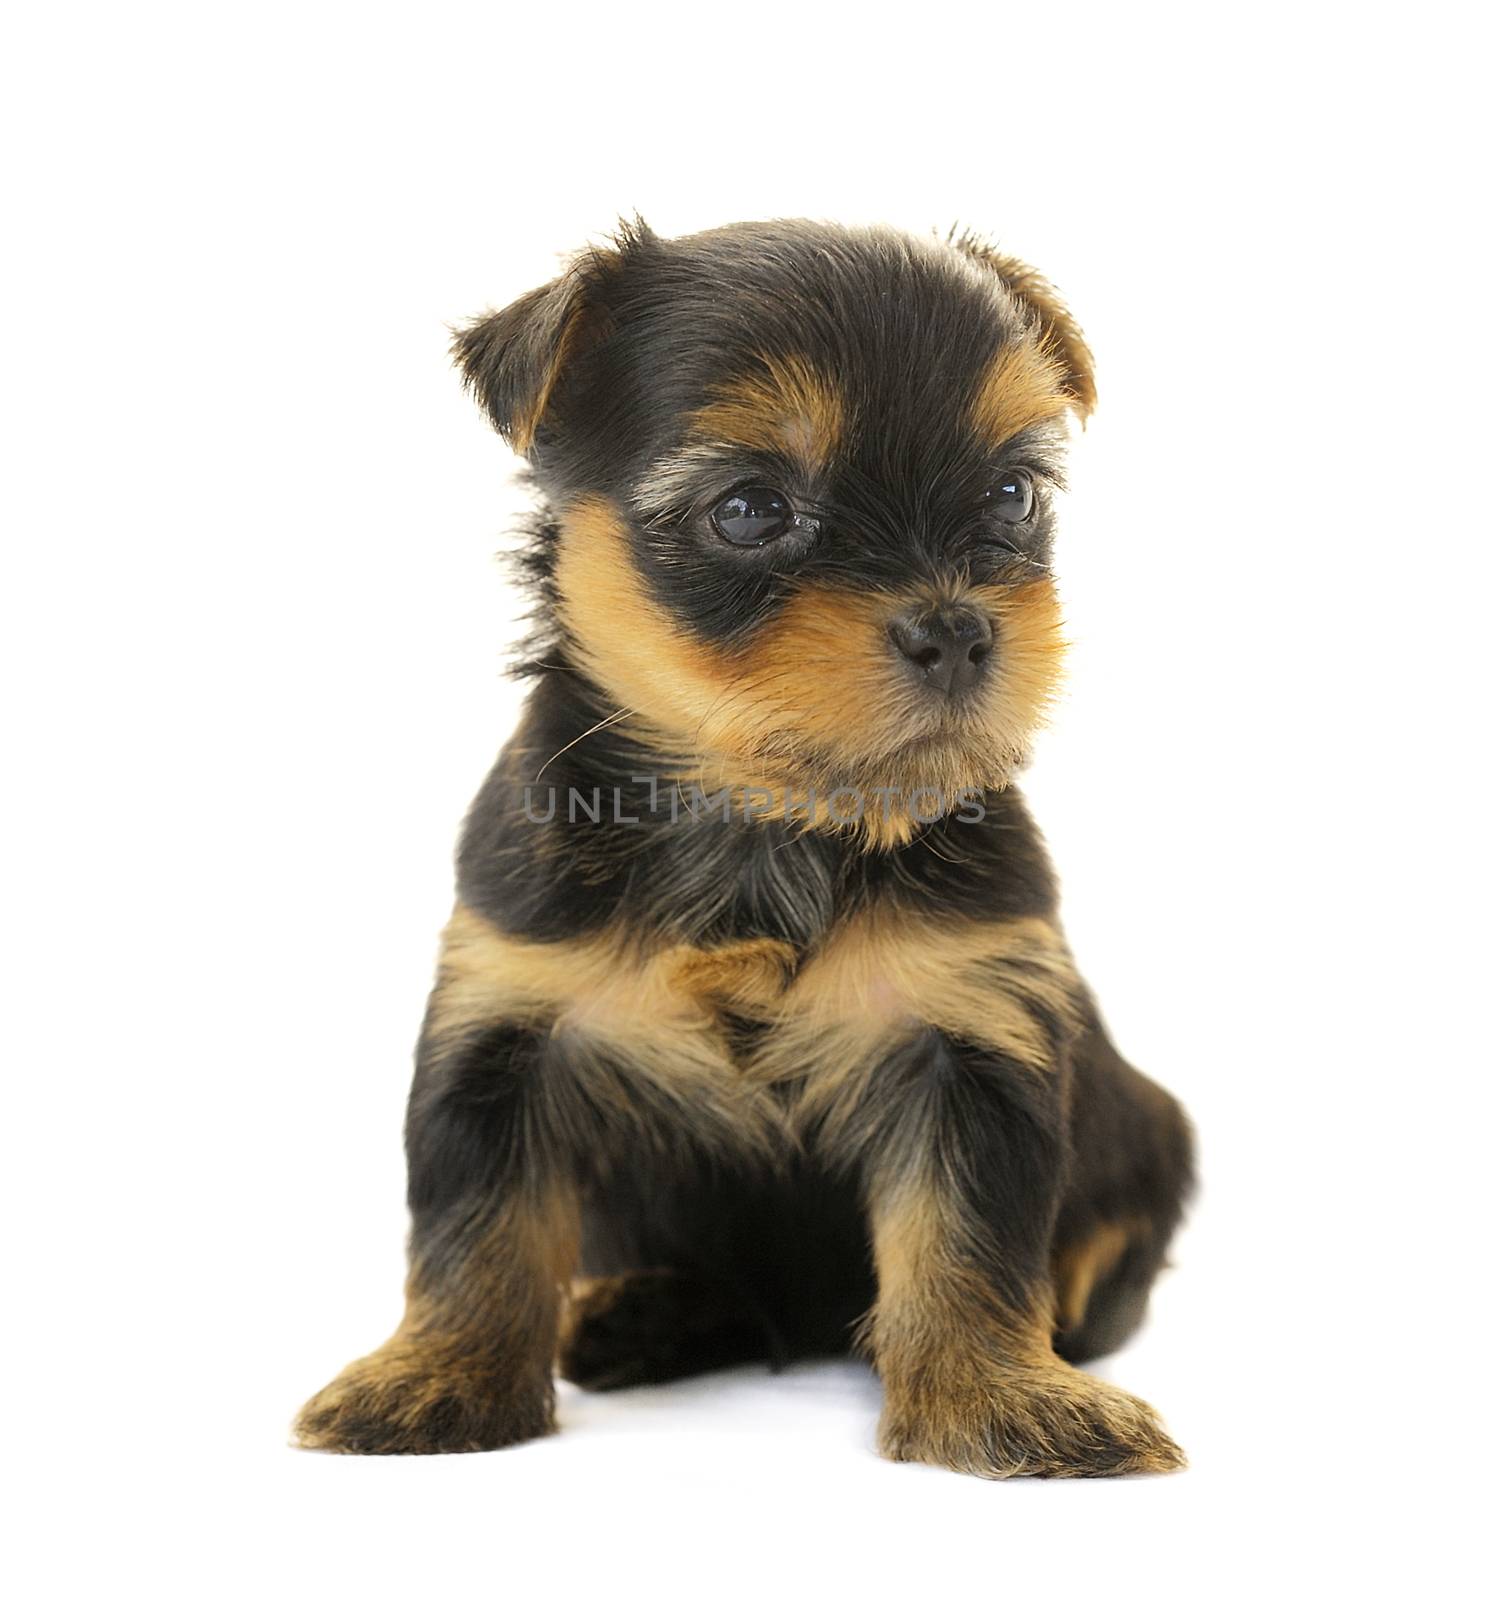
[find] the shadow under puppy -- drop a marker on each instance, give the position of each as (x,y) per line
(755,1034)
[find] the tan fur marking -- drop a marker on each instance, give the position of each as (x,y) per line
(917,1231)
(1024,385)
(1079,1268)
(656,1008)
(883,978)
(1060,333)
(669,479)
(748,976)
(817,701)
(787,407)
(528,418)
(602,1290)
(485,976)
(629,645)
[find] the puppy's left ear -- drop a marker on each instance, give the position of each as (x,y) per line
(512,360)
(1060,332)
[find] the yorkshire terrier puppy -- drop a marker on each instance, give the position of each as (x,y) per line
(755,1035)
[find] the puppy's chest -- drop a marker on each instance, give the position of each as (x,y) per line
(754,1006)
(778,960)
(731,890)
(765,1011)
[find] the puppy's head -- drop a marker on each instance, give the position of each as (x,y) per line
(801,479)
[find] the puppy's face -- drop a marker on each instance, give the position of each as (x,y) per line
(803,482)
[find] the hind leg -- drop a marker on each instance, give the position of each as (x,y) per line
(699,1266)
(655,1325)
(1131,1172)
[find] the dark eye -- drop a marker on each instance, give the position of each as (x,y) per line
(1012,497)
(752,516)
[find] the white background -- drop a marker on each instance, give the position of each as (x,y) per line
(254,637)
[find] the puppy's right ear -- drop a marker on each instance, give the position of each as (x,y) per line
(512,359)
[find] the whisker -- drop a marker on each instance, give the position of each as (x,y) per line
(615,716)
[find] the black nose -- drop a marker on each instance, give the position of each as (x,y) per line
(947,648)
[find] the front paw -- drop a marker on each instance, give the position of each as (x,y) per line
(423,1397)
(1047,1421)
